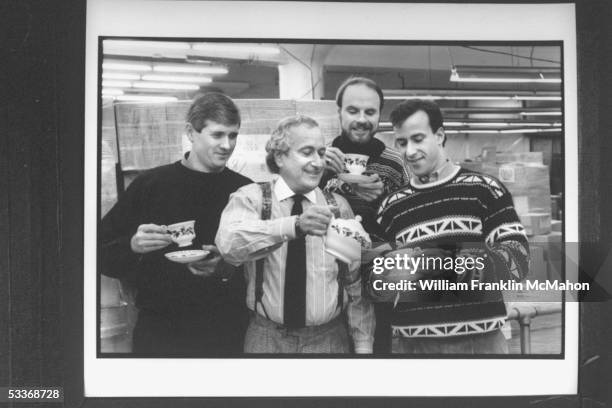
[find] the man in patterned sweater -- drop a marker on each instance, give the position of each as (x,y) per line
(448,212)
(360,102)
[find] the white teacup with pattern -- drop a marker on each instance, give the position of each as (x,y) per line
(355,163)
(183,233)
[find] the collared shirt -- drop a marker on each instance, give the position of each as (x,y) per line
(445,172)
(243,237)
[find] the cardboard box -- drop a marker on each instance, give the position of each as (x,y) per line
(521,157)
(536,223)
(552,237)
(528,183)
(489,154)
(472,165)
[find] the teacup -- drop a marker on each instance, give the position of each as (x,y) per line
(345,238)
(183,233)
(355,163)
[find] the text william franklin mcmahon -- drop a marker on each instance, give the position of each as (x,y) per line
(401,264)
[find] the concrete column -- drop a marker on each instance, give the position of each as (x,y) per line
(301,74)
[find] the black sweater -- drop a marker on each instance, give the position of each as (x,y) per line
(166,195)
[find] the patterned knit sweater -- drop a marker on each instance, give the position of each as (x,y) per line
(464,210)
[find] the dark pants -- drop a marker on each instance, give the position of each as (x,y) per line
(382,334)
(193,334)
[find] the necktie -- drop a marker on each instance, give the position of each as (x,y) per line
(295,276)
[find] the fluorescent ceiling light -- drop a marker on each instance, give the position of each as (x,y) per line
(120,75)
(116,84)
(166,85)
(503,131)
(543,113)
(191,69)
(126,66)
(529,130)
(239,48)
(467,95)
(176,78)
(111,92)
(146,44)
(505,74)
(146,98)
(501,124)
(538,98)
(456,78)
(483,131)
(485,124)
(450,98)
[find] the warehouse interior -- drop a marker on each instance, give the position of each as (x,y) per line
(502,104)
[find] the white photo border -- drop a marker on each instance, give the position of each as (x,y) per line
(127,377)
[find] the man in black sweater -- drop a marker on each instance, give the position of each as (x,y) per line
(194,309)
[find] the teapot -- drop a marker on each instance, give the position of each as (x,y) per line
(345,238)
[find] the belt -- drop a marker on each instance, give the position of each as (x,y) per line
(262,320)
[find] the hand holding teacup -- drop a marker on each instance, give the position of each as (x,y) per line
(370,189)
(149,238)
(334,160)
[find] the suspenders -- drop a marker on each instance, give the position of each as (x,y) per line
(342,267)
(266,212)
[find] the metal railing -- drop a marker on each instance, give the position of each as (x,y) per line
(523,313)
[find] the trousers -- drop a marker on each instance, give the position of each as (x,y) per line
(188,334)
(266,336)
(492,342)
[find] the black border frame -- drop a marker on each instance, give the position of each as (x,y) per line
(42,170)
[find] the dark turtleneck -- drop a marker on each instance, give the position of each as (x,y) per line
(372,148)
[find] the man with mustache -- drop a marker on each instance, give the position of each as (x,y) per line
(300,298)
(360,102)
(449,212)
(195,309)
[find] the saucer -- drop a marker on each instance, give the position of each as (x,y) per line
(354,178)
(190,255)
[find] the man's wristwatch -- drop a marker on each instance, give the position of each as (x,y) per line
(345,187)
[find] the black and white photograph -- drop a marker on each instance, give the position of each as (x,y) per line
(258,194)
(501,106)
(329,201)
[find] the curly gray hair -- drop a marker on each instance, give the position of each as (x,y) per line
(279,139)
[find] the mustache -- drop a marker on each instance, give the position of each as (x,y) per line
(362,126)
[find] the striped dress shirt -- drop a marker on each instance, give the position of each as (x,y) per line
(243,237)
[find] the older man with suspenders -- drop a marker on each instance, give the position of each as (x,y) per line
(301,299)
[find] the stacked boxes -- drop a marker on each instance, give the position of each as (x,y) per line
(151,135)
(528,180)
(536,223)
(529,184)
